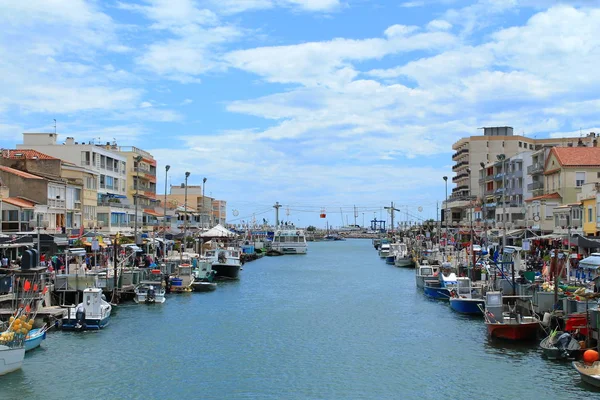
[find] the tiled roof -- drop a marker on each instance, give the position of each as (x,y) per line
(545,196)
(578,156)
(27,154)
(15,201)
(150,211)
(22,174)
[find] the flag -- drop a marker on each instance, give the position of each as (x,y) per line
(27,285)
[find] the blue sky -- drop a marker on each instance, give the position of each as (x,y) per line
(312,103)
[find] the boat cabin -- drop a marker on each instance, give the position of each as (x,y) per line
(92,302)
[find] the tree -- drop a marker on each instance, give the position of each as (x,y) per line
(311,229)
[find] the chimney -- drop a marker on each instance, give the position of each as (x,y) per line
(69,141)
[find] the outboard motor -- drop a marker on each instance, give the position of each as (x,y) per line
(151,295)
(80,318)
(167,284)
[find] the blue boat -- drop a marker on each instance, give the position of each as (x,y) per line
(440,287)
(466,299)
(34,338)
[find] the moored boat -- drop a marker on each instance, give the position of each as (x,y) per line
(512,324)
(225,262)
(289,241)
(425,271)
(203,277)
(384,250)
(589,373)
(11,359)
(439,287)
(182,279)
(559,345)
(92,314)
(463,299)
(34,338)
(149,292)
(404,259)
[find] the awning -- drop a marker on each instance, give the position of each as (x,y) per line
(587,243)
(118,212)
(591,262)
(152,212)
(515,233)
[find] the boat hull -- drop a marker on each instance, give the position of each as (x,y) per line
(142,299)
(11,359)
(588,374)
(437,293)
(390,260)
(523,331)
(88,325)
(404,263)
(226,271)
(204,286)
(34,339)
(467,306)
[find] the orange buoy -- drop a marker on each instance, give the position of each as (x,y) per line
(590,356)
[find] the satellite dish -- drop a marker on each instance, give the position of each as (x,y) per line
(420,209)
(236,213)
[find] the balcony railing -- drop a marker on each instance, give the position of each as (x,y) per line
(460,153)
(535,169)
(459,165)
(535,186)
(459,177)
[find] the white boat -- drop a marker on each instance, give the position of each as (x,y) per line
(425,271)
(384,250)
(403,257)
(203,276)
(289,241)
(225,263)
(11,359)
(149,292)
(92,314)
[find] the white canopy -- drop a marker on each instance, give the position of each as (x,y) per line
(218,231)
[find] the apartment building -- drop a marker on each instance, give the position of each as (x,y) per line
(201,205)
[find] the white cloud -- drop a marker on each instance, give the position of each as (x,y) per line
(186,102)
(237,6)
(328,63)
(439,25)
(412,4)
(145,104)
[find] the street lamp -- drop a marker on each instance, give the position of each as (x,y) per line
(203,201)
(502,159)
(483,210)
(446,211)
(187,174)
(137,159)
(97,225)
(167,168)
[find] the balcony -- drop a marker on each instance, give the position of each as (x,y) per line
(459,165)
(499,177)
(459,177)
(536,168)
(460,153)
(535,186)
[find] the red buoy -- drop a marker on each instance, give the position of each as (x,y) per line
(590,356)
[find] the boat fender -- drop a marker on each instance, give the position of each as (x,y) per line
(546,319)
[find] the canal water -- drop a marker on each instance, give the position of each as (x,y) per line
(337,323)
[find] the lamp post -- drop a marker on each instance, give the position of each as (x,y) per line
(137,160)
(203,200)
(187,174)
(502,159)
(446,212)
(167,167)
(483,210)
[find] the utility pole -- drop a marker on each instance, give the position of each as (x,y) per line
(392,209)
(277,206)
(355,215)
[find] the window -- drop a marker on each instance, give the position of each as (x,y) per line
(579,179)
(530,147)
(589,214)
(102,162)
(85,158)
(556,220)
(109,182)
(520,144)
(598,175)
(102,184)
(549,209)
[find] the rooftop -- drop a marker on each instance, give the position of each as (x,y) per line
(16,201)
(577,156)
(22,174)
(545,197)
(26,154)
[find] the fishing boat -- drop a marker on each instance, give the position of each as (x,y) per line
(149,292)
(393,252)
(404,258)
(508,322)
(466,299)
(289,241)
(91,314)
(203,277)
(182,279)
(589,373)
(425,271)
(376,243)
(384,250)
(439,287)
(225,262)
(333,237)
(35,337)
(11,359)
(559,345)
